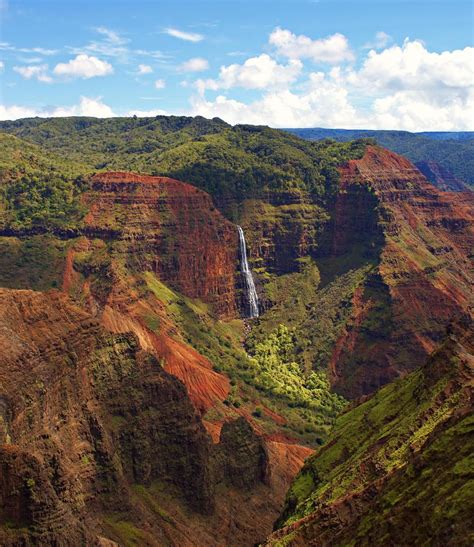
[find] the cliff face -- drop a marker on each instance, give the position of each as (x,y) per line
(85,414)
(396,468)
(282,229)
(170,228)
(420,240)
(97,440)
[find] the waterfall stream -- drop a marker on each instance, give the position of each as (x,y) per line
(252,296)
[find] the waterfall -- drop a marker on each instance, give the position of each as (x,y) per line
(248,278)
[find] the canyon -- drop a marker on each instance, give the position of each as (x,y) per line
(132,405)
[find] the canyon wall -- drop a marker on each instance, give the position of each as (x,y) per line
(171,228)
(97,440)
(422,240)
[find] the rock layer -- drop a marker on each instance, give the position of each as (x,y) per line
(97,439)
(171,228)
(421,240)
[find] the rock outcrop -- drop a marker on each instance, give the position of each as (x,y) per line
(420,240)
(171,228)
(88,414)
(97,441)
(242,456)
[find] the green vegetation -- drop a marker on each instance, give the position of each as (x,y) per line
(33,263)
(274,372)
(124,531)
(453,151)
(266,372)
(238,162)
(37,188)
(414,439)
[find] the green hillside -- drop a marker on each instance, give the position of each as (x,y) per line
(453,151)
(398,465)
(241,161)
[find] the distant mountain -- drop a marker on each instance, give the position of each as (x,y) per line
(453,151)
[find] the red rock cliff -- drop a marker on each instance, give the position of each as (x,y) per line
(95,436)
(422,239)
(171,228)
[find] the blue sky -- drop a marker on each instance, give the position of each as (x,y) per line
(332,63)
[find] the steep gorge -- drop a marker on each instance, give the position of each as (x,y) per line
(397,469)
(367,276)
(403,250)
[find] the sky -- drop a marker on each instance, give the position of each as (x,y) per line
(374,64)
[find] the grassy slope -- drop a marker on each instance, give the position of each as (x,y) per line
(410,445)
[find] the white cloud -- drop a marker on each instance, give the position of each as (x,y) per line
(333,49)
(112,44)
(2,66)
(255,73)
(30,60)
(154,54)
(402,87)
(16,112)
(38,72)
(160,84)
(88,106)
(182,35)
(322,103)
(144,69)
(111,36)
(146,113)
(197,64)
(382,39)
(412,67)
(83,66)
(420,111)
(5,46)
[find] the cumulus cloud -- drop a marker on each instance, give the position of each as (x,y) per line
(83,66)
(160,84)
(322,103)
(399,87)
(419,110)
(197,64)
(144,69)
(412,66)
(333,49)
(88,106)
(182,35)
(255,73)
(16,112)
(38,72)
